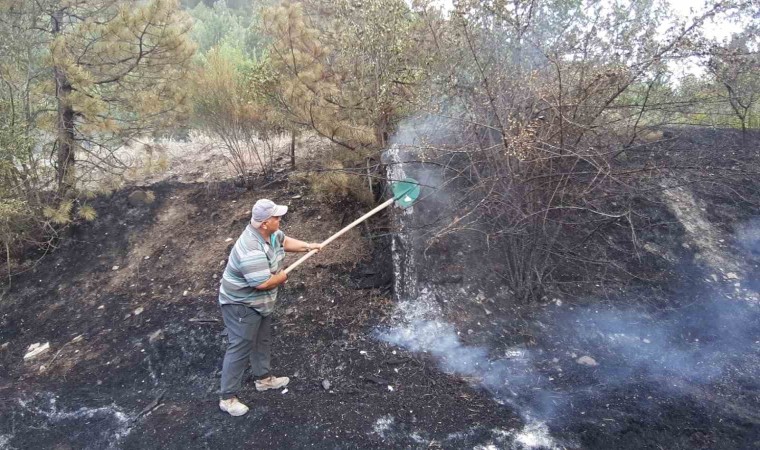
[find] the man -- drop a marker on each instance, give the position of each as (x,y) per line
(247,296)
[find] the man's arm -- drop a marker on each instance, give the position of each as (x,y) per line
(273,281)
(294,245)
(255,269)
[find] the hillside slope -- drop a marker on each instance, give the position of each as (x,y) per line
(129,309)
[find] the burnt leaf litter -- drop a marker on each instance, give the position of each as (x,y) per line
(135,350)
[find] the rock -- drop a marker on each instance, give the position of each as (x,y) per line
(35,350)
(77,339)
(587,361)
(184,293)
(138,311)
(102,307)
(156,336)
(228,239)
(646,341)
(140,198)
(326,385)
(732,276)
(115,268)
(4,346)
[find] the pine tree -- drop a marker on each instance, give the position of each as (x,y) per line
(109,70)
(347,68)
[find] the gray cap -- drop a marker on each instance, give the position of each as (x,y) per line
(264,209)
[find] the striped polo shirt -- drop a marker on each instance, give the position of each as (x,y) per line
(252,261)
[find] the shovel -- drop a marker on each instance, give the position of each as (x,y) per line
(404,194)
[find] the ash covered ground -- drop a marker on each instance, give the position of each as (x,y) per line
(128,307)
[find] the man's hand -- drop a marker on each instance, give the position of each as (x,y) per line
(279,278)
(314,246)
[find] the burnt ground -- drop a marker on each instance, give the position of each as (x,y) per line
(135,351)
(128,305)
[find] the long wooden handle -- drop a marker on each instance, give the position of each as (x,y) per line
(339,234)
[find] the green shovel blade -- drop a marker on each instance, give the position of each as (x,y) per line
(405,192)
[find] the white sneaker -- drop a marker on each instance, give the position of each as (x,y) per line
(233,407)
(271,383)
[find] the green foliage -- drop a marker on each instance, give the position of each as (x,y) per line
(95,75)
(16,214)
(221,26)
(347,69)
(231,98)
(77,80)
(60,215)
(334,183)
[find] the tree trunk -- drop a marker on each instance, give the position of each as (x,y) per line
(64,142)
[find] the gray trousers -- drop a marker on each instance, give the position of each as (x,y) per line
(249,340)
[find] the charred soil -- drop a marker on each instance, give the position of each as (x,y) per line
(129,307)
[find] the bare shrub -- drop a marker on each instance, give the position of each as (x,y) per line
(543,112)
(228,106)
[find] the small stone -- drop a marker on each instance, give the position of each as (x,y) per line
(390,388)
(228,240)
(138,311)
(184,293)
(285,391)
(646,341)
(35,350)
(115,268)
(558,302)
(732,276)
(102,307)
(587,361)
(77,339)
(326,385)
(4,346)
(147,257)
(155,336)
